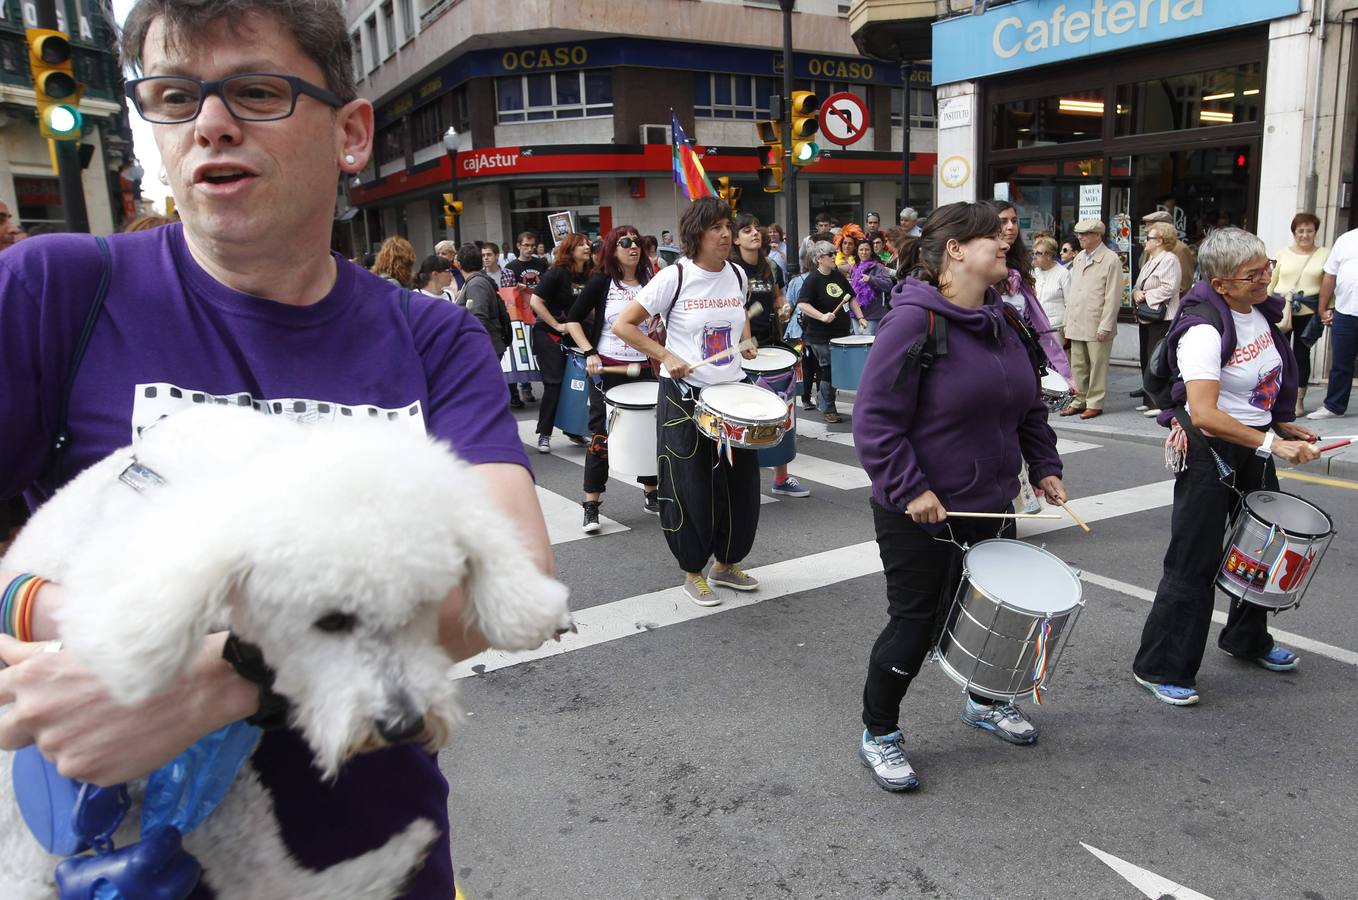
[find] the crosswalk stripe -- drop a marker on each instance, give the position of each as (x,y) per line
(1105,506)
(828,472)
(807,427)
(647,612)
(564,515)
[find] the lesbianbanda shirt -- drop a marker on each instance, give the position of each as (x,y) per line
(707,318)
(170,336)
(1249,380)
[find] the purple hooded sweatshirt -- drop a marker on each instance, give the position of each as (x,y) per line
(961,429)
(1285,406)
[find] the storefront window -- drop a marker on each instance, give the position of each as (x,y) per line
(389,145)
(1066,117)
(557,95)
(843,201)
(923,113)
(530,204)
(718,96)
(1227,96)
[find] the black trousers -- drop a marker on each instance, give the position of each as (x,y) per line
(552,364)
(922,575)
(709,507)
(810,371)
(1300,350)
(1175,635)
(596,458)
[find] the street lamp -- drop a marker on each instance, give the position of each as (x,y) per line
(450,147)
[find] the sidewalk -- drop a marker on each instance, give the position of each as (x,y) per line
(1120,419)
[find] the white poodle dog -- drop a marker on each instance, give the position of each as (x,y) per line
(331,550)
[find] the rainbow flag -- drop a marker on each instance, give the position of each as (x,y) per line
(688,169)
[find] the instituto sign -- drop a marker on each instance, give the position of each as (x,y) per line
(1038,32)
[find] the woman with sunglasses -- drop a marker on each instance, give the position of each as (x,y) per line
(1236,395)
(623,271)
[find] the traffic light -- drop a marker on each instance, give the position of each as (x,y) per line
(804,110)
(56,92)
(730,194)
(452,208)
(771,166)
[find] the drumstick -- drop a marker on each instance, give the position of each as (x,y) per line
(1335,446)
(986,515)
(726,354)
(631,370)
(1076,516)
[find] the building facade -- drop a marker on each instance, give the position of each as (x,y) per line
(564,106)
(28,183)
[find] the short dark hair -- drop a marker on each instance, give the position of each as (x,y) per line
(469,258)
(959,222)
(701,215)
(1303,218)
(493,248)
(432,263)
(527,236)
(316,25)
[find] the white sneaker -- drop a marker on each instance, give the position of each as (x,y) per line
(1151,413)
(1324,413)
(1142,408)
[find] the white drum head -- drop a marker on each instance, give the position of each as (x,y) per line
(1022,576)
(853,340)
(635,395)
(1054,383)
(744,402)
(770,359)
(1290,513)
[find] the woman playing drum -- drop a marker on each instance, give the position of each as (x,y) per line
(1240,388)
(949,437)
(623,270)
(709,501)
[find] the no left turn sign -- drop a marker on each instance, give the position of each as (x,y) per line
(843,118)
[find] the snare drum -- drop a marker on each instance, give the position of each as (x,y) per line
(1056,391)
(1275,547)
(1011,618)
(776,369)
(848,356)
(631,428)
(740,415)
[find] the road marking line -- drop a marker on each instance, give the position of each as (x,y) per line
(1317,479)
(1105,506)
(1301,642)
(528,433)
(819,431)
(647,612)
(828,472)
(564,515)
(1144,880)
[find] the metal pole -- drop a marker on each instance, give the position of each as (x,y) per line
(67,152)
(907,72)
(789,170)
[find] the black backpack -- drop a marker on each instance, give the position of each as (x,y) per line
(1158,381)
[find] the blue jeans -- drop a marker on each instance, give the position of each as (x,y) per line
(827,389)
(1343,349)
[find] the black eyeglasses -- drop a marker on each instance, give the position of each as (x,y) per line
(627,243)
(250,96)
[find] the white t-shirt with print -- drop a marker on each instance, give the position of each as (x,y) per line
(1250,379)
(610,345)
(1343,265)
(707,318)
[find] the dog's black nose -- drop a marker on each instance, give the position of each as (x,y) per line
(402,729)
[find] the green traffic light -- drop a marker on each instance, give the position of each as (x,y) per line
(63,119)
(805,151)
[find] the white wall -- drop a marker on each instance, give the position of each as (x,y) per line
(565,131)
(1285,156)
(958,144)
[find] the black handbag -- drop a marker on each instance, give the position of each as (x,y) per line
(1149,315)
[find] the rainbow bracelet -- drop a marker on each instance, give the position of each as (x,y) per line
(17,604)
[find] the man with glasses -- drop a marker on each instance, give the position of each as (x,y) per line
(256,117)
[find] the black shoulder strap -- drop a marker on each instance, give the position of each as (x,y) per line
(926,350)
(1036,354)
(678,286)
(63,432)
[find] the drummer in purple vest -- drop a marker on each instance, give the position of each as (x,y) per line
(709,500)
(1236,398)
(952,436)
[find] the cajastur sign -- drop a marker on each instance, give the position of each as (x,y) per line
(494,161)
(1039,32)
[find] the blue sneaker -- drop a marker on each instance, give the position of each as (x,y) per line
(885,756)
(1279,660)
(1004,720)
(790,487)
(1172,694)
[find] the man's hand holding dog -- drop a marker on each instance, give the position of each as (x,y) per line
(62,707)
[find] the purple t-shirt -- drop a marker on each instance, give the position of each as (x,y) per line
(170,335)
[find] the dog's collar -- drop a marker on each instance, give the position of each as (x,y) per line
(140,478)
(248,661)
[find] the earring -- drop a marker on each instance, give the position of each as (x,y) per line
(349,159)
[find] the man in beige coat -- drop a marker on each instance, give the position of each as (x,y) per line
(1096,292)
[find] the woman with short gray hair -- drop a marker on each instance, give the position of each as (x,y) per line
(825,301)
(1236,393)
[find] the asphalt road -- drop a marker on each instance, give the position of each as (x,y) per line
(664,755)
